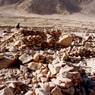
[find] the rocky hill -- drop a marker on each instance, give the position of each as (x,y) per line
(51,6)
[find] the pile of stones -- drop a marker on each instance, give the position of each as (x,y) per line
(47,63)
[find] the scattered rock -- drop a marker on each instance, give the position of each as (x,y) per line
(12,49)
(65,40)
(54,63)
(25,58)
(34,65)
(36,57)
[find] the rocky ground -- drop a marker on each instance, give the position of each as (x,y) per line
(47,61)
(53,53)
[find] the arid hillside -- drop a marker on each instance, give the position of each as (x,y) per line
(50,6)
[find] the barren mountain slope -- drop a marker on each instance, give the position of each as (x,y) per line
(50,6)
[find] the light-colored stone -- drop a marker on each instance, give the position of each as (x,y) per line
(12,85)
(65,40)
(25,58)
(65,69)
(51,85)
(12,49)
(36,57)
(34,80)
(51,41)
(34,65)
(52,69)
(59,65)
(55,81)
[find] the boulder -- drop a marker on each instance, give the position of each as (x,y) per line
(65,40)
(25,58)
(34,65)
(12,49)
(36,57)
(65,70)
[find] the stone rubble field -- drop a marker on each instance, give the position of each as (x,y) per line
(47,61)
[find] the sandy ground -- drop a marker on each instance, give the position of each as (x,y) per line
(48,20)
